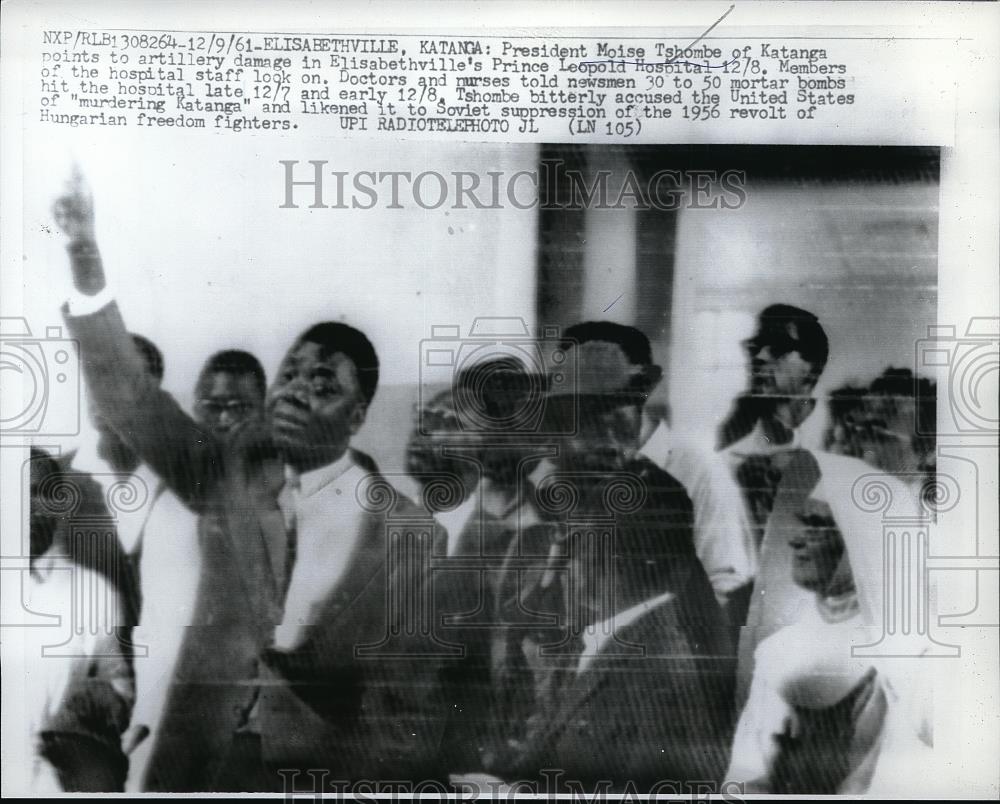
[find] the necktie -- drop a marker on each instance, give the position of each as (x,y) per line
(287,502)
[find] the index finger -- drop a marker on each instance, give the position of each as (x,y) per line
(77,182)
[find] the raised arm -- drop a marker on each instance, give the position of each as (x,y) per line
(186,457)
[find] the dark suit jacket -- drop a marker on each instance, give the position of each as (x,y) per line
(740,420)
(637,721)
(327,705)
(667,517)
(466,615)
(688,672)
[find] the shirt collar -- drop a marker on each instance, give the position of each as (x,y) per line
(596,635)
(309,483)
(756,443)
(457,519)
(657,446)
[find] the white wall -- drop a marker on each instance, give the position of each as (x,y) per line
(204,259)
(861,257)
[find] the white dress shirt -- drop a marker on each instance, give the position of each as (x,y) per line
(457,519)
(327,518)
(723,537)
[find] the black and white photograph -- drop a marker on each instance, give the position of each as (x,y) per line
(497,412)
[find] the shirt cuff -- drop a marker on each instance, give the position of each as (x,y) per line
(79,304)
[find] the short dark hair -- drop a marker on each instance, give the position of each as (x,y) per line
(150,354)
(844,401)
(810,340)
(632,341)
(236,361)
(333,336)
(903,383)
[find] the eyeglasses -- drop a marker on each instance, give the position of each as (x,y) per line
(780,344)
(215,408)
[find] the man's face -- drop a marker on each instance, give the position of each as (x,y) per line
(606,438)
(315,405)
(841,440)
(776,367)
(43,521)
(435,429)
(226,400)
(884,432)
(817,548)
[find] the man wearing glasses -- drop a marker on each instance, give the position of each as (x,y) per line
(786,355)
(230,391)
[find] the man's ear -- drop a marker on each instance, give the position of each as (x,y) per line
(649,377)
(358,415)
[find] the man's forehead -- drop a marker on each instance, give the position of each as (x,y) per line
(227,382)
(771,329)
(311,353)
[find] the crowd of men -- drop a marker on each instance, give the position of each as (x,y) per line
(578,594)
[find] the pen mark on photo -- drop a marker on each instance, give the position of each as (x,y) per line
(704,33)
(612,303)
